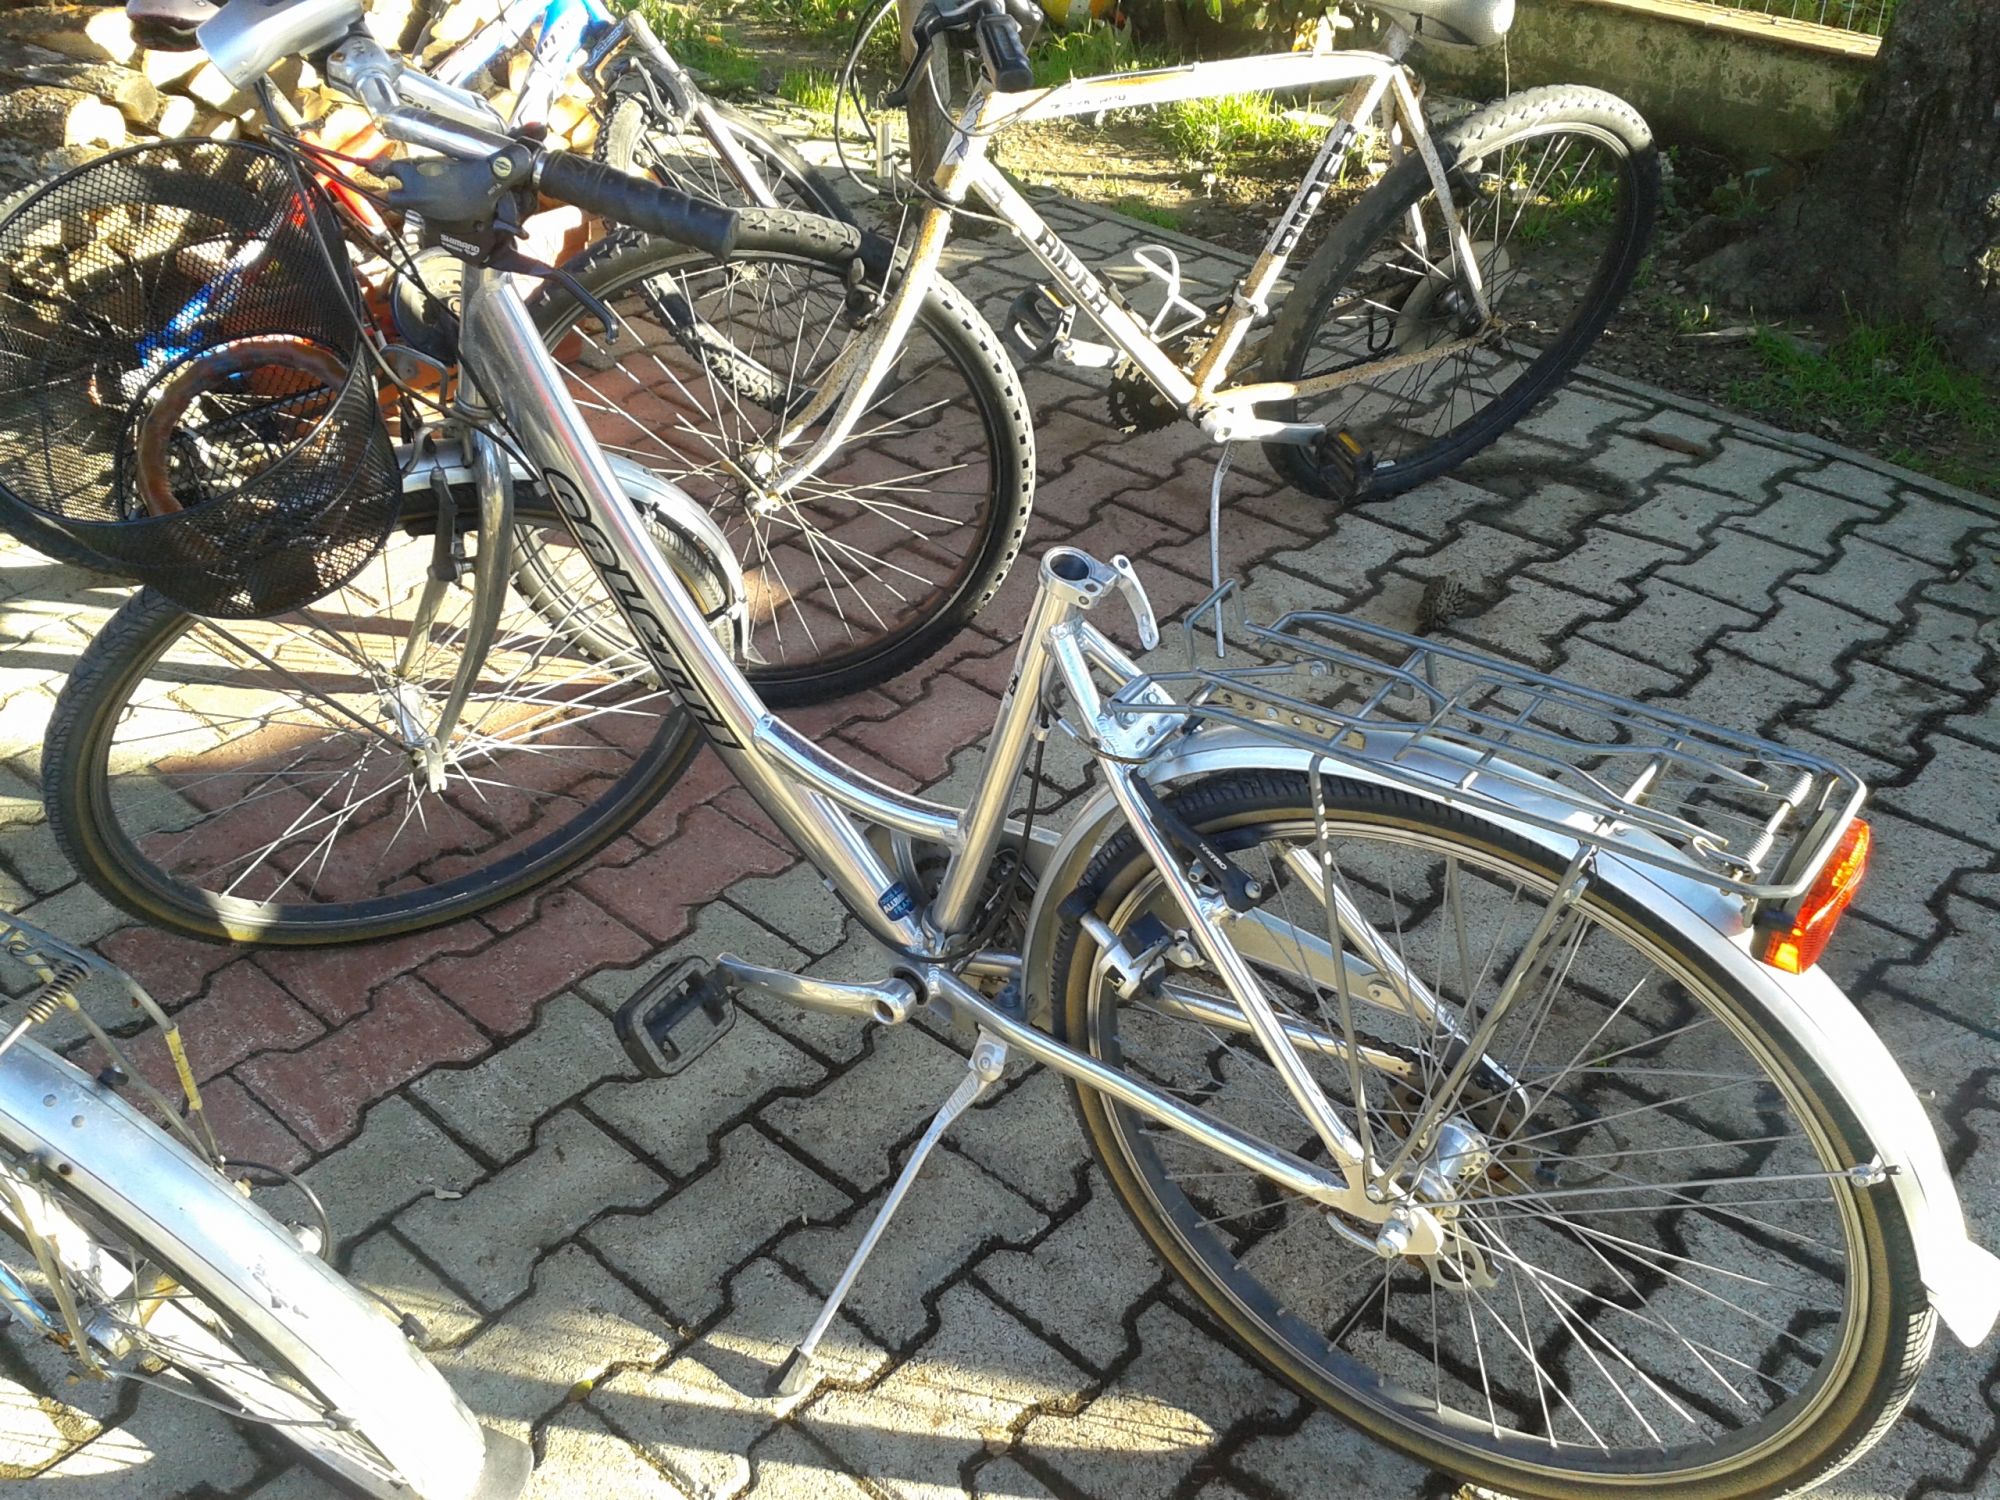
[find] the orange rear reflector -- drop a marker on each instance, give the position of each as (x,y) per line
(1797,948)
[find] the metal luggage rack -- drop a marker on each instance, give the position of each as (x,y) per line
(1733,810)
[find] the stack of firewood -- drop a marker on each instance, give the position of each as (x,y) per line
(74,83)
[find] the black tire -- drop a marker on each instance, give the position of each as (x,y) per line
(159,836)
(889,554)
(1317,1328)
(1369,290)
(673,152)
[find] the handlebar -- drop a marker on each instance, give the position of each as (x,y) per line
(997,27)
(633,201)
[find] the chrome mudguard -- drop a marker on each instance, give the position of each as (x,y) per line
(1962,1279)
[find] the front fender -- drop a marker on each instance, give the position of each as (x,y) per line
(1962,1280)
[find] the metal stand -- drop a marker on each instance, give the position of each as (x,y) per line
(989,1058)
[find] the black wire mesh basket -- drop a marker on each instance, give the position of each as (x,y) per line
(184,391)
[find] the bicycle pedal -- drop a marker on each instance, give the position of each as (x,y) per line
(675,1017)
(1346,466)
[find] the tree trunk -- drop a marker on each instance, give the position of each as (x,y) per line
(1903,214)
(930,127)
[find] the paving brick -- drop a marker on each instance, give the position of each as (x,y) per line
(721,928)
(495,1105)
(1943,646)
(1165,1410)
(1557,514)
(673,1120)
(581,1456)
(1529,622)
(921,741)
(1881,712)
(1604,565)
(1869,579)
(953,1210)
(383,1264)
(860,1141)
(1681,515)
(245,1130)
(788,1467)
(488,1240)
(1921,526)
(1479,555)
(170,968)
(1740,466)
(239,1015)
(1028,1138)
(1632,462)
(1738,694)
(1328,1456)
(1739,569)
(1004,1479)
(1851,481)
(320,1091)
(1954,790)
(1677,426)
(968,1386)
(1077,1284)
(703,1413)
(357,1191)
(1806,637)
(499,985)
(1667,627)
(77,914)
(682,1251)
(1907,867)
(166,1446)
(577,1325)
(1576,419)
(335,983)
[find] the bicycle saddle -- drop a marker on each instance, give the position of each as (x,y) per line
(1465,23)
(168,25)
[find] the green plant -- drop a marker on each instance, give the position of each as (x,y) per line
(702,43)
(1202,130)
(1147,213)
(1061,56)
(834,21)
(811,88)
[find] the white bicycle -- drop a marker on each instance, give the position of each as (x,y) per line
(137,1250)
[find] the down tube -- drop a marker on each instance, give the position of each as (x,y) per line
(503,348)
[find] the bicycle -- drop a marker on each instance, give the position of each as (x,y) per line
(129,1242)
(1453,294)
(1403,991)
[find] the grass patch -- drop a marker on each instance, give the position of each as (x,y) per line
(1147,213)
(810,88)
(1204,130)
(704,44)
(1061,56)
(1883,379)
(833,21)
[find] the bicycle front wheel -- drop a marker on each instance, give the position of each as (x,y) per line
(1557,189)
(1662,1279)
(185,1283)
(674,150)
(286,781)
(880,557)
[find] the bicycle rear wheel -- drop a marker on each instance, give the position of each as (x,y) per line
(277,781)
(1663,1280)
(1557,189)
(184,1282)
(675,151)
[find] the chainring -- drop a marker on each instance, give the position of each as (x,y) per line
(1135,402)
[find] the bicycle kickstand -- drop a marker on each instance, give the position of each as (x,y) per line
(983,1069)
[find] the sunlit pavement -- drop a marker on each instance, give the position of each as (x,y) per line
(615,1266)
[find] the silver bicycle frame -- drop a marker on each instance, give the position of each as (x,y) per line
(1379,84)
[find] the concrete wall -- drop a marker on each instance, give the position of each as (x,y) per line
(1753,87)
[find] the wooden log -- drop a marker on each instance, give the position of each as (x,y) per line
(80,31)
(132,93)
(176,116)
(46,117)
(167,68)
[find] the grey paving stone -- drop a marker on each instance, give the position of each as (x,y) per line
(577,1325)
(1162,1414)
(1004,1479)
(1611,671)
(581,1456)
(1479,554)
(1076,1285)
(1530,621)
(1327,1456)
(1681,515)
(1922,526)
(1804,519)
(674,1119)
(855,1124)
(1429,512)
(357,1191)
(1869,579)
(1677,424)
(1881,712)
(794,904)
(788,1467)
(1853,481)
(702,1413)
(1576,419)
(1739,569)
(1955,790)
(488,1241)
(1556,514)
(77,914)
(1907,867)
(952,1210)
(1728,690)
(1633,462)
(1805,638)
(1740,467)
(967,1387)
(1942,646)
(1028,1138)
(1668,626)
(385,1265)
(720,928)
(681,1251)
(495,1105)
(1329,573)
(1954,974)
(166,1447)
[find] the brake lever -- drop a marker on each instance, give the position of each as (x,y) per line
(1135,596)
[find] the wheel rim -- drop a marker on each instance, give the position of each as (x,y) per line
(676,153)
(1712,1295)
(1549,213)
(266,779)
(887,537)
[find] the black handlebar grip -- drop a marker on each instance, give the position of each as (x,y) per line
(637,203)
(1004,54)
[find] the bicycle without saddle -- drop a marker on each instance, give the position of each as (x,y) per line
(137,1252)
(1453,1032)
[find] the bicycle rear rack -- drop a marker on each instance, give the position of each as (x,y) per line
(1733,810)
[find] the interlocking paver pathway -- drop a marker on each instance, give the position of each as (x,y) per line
(612,1266)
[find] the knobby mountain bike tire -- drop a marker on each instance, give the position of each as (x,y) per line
(674,151)
(268,782)
(903,536)
(1558,188)
(1665,1283)
(244,1312)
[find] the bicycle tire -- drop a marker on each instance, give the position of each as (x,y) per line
(298,1343)
(1380,291)
(944,565)
(1231,1260)
(632,142)
(136,828)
